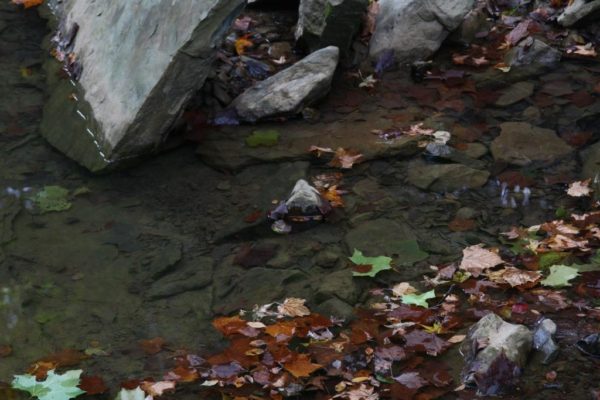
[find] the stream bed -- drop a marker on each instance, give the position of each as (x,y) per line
(160,249)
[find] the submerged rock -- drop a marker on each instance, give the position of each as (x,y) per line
(289,91)
(445,177)
(579,10)
(137,64)
(515,93)
(415,29)
(591,161)
(324,23)
(543,339)
(520,143)
(495,352)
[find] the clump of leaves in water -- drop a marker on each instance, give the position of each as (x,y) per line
(52,198)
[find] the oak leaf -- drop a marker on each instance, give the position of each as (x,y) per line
(293,307)
(301,366)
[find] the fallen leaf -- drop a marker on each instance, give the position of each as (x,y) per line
(579,188)
(560,275)
(376,264)
(462,225)
(515,277)
(5,351)
(293,307)
(418,299)
(54,387)
(241,44)
(403,288)
(586,50)
(28,3)
(423,342)
(152,346)
(457,339)
(157,388)
(92,385)
(345,159)
(476,259)
(301,366)
(411,380)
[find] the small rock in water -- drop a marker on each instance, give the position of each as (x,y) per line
(543,341)
(304,205)
(590,345)
(495,352)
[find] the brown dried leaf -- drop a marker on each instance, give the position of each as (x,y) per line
(345,159)
(157,388)
(293,307)
(476,259)
(301,366)
(579,188)
(515,277)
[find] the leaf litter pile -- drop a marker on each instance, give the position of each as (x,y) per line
(392,348)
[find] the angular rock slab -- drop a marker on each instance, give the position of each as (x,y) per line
(324,23)
(415,29)
(289,91)
(140,63)
(386,237)
(520,143)
(445,177)
(579,10)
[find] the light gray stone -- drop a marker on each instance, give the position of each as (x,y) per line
(140,62)
(445,177)
(289,91)
(543,340)
(324,23)
(520,143)
(486,342)
(415,29)
(579,10)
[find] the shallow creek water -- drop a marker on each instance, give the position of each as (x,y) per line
(150,251)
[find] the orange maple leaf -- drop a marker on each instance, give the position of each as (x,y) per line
(242,44)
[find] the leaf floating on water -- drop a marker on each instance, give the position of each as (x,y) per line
(516,277)
(28,3)
(560,275)
(157,388)
(93,385)
(133,394)
(418,299)
(579,188)
(54,387)
(374,264)
(476,259)
(293,307)
(153,346)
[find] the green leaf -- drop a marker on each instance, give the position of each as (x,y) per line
(55,387)
(377,264)
(409,252)
(268,137)
(418,299)
(52,198)
(552,258)
(560,275)
(135,394)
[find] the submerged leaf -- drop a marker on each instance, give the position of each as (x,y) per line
(52,198)
(376,264)
(268,137)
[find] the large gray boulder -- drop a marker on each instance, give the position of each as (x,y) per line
(324,23)
(138,61)
(289,91)
(415,29)
(579,10)
(520,143)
